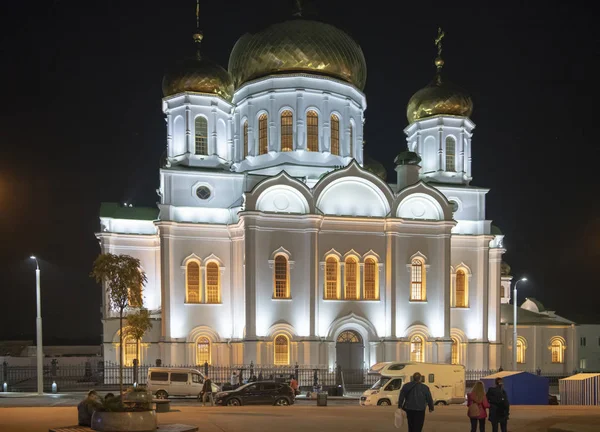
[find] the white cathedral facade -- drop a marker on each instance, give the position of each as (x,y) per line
(275,242)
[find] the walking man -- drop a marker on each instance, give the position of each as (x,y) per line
(499,406)
(207,392)
(414,398)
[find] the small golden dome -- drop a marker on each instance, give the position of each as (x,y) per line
(439,98)
(200,75)
(298,46)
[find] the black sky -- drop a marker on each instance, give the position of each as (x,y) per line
(81,123)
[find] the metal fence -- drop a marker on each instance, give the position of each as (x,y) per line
(105,375)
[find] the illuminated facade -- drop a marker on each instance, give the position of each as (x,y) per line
(275,243)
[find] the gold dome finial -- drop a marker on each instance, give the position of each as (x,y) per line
(298,11)
(198,36)
(439,61)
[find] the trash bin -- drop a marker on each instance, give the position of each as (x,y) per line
(322,399)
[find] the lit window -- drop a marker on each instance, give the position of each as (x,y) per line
(557,348)
(312,131)
(246,139)
(282,350)
(192,276)
(582,363)
(351,291)
(130,352)
(213,293)
(287,137)
(521,347)
(202,350)
(281,277)
(349,336)
(201,136)
(370,279)
(331,278)
(335,135)
(455,351)
(450,154)
(417,291)
(502,292)
(263,141)
(416,349)
(461,289)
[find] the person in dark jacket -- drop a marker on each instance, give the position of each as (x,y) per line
(499,406)
(207,392)
(414,399)
(86,408)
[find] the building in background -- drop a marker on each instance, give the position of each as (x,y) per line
(588,339)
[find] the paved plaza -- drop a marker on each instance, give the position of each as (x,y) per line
(305,417)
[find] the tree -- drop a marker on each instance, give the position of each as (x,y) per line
(123,280)
(137,325)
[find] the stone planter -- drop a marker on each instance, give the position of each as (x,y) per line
(138,396)
(142,421)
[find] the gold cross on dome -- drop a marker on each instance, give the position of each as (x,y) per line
(438,40)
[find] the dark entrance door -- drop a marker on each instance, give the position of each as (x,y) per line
(350,355)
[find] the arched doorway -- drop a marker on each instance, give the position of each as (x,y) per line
(350,354)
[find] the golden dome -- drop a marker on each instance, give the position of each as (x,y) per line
(298,46)
(198,74)
(439,98)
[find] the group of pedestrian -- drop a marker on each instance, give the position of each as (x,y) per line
(415,398)
(92,402)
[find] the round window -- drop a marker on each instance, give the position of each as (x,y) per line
(454,206)
(203,192)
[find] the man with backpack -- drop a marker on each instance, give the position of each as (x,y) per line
(499,406)
(414,399)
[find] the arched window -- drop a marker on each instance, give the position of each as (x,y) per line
(287,134)
(213,285)
(282,350)
(416,349)
(450,154)
(502,292)
(202,350)
(263,140)
(349,336)
(557,348)
(455,351)
(312,131)
(351,146)
(351,279)
(201,132)
(246,138)
(370,286)
(131,350)
(417,288)
(521,347)
(192,282)
(331,279)
(281,277)
(335,135)
(461,289)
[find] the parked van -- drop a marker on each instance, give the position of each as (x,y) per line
(165,381)
(446,382)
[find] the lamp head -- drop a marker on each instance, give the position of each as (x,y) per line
(32,257)
(524,279)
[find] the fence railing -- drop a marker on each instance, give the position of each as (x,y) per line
(105,375)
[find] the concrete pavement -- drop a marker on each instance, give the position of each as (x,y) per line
(304,417)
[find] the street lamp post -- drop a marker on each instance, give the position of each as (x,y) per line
(515,322)
(38,325)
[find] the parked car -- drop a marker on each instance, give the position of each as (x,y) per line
(257,393)
(165,381)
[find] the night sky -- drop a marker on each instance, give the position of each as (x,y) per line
(81,123)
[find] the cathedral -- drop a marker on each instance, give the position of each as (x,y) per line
(276,241)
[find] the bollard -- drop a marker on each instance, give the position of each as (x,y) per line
(5,387)
(54,387)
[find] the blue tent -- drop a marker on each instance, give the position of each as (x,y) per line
(522,388)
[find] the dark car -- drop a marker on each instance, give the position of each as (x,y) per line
(257,393)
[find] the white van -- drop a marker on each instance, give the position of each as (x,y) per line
(446,382)
(165,381)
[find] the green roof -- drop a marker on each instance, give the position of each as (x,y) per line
(496,230)
(118,211)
